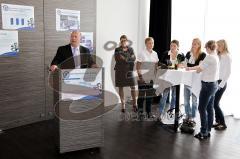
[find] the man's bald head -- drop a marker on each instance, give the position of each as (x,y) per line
(75,38)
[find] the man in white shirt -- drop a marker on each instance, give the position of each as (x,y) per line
(147,62)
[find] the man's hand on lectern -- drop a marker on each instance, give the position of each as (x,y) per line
(94,66)
(53,68)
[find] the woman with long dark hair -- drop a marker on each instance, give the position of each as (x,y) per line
(192,58)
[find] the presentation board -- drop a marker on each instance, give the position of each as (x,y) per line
(67,20)
(18,17)
(8,43)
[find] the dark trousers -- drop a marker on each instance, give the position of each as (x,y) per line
(206,102)
(219,117)
(145,93)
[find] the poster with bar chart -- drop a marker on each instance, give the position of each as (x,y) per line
(17,17)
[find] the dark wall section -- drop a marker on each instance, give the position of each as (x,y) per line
(25,96)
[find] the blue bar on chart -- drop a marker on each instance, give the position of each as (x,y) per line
(17,21)
(11,21)
(22,21)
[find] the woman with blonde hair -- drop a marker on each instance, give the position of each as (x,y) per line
(192,58)
(224,73)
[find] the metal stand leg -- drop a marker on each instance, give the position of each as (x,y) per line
(176,121)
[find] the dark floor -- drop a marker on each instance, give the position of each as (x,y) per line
(124,140)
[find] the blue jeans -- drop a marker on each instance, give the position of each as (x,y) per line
(206,102)
(163,100)
(190,111)
(219,116)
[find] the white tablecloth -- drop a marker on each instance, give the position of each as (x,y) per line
(166,78)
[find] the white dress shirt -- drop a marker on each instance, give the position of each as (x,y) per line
(76,56)
(148,62)
(191,59)
(173,61)
(210,66)
(225,68)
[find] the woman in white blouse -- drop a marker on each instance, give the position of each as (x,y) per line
(224,73)
(210,75)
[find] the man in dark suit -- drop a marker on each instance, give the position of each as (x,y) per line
(73,55)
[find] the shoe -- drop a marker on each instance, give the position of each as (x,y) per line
(221,127)
(134,108)
(215,125)
(150,115)
(123,110)
(140,116)
(209,135)
(200,136)
(159,120)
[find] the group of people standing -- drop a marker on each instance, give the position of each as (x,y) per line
(215,66)
(124,76)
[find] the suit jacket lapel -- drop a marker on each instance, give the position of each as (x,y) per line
(70,51)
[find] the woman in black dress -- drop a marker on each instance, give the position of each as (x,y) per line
(125,59)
